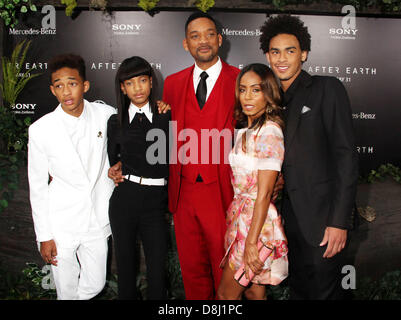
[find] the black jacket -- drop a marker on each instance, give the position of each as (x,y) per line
(320,164)
(128,145)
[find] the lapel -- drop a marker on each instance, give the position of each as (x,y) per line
(187,84)
(98,134)
(224,105)
(298,101)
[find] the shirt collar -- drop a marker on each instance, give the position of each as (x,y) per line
(72,120)
(213,72)
(133,109)
(289,94)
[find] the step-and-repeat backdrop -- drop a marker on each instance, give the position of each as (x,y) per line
(367,59)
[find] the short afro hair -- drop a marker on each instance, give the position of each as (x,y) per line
(197,15)
(284,24)
(68,60)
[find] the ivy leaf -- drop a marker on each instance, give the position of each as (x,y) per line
(3,203)
(13,159)
(147,5)
(71,4)
(12,186)
(204,5)
(24,9)
(33,8)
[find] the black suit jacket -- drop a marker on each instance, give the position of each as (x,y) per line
(129,145)
(320,164)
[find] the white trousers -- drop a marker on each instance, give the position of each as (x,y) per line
(80,273)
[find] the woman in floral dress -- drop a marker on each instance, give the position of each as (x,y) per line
(256,161)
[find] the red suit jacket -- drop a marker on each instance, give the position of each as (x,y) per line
(175,91)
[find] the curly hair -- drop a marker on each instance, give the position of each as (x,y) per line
(68,60)
(284,24)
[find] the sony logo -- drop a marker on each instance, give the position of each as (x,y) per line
(126,27)
(24,106)
(340,31)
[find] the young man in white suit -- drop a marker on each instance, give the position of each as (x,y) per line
(69,187)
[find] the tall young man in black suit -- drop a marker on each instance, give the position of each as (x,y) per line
(320,166)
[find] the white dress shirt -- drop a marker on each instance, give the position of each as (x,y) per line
(77,130)
(213,72)
(133,109)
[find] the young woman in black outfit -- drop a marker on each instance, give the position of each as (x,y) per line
(138,205)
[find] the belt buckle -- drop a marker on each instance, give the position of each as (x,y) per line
(140,180)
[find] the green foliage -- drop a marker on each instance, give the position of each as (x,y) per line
(175,284)
(98,4)
(28,286)
(204,5)
(10,8)
(385,170)
(13,130)
(14,81)
(279,292)
(110,291)
(24,286)
(9,177)
(386,288)
(70,6)
(147,5)
(385,5)
(37,277)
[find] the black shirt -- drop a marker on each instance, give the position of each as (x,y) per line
(127,143)
(289,94)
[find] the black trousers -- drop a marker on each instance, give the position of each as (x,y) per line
(139,210)
(311,277)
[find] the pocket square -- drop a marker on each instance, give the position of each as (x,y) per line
(305,109)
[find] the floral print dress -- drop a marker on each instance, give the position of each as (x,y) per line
(264,151)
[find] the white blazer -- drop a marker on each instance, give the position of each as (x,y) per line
(62,208)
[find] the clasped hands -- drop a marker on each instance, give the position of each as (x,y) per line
(115,173)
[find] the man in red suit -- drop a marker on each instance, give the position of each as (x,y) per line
(202,101)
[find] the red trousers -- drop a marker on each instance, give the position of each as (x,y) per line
(200,226)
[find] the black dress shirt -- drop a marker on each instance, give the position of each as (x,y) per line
(289,94)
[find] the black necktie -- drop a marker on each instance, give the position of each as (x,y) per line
(201,90)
